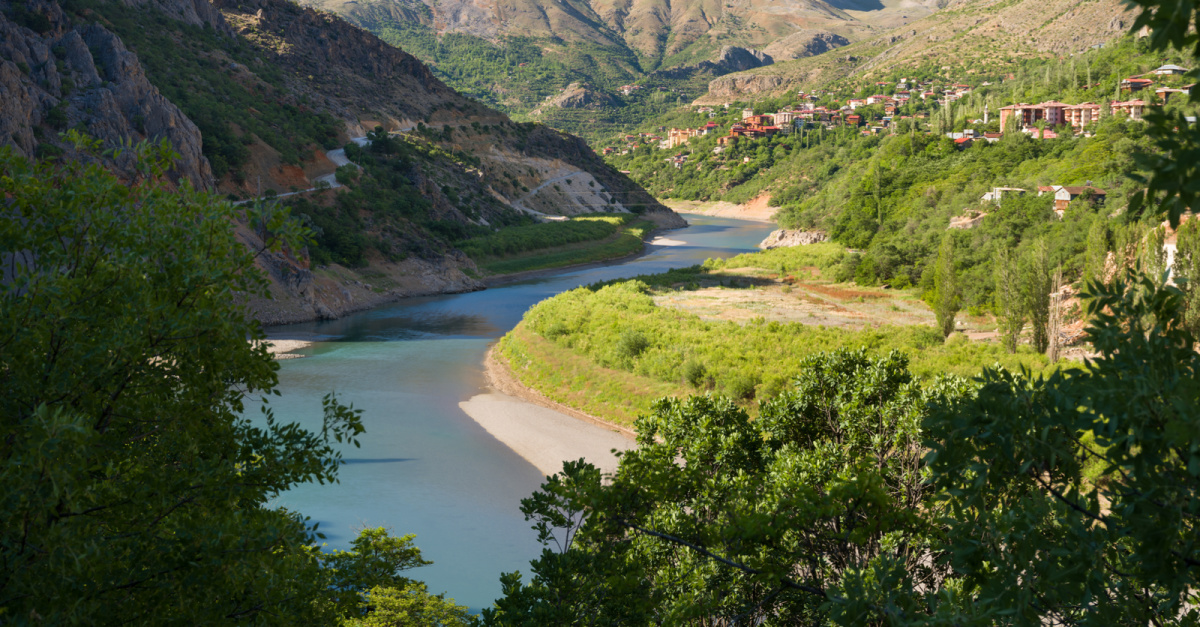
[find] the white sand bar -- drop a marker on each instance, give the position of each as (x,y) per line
(282,349)
(663,241)
(544,437)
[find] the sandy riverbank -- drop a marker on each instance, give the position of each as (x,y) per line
(540,430)
(284,349)
(757,210)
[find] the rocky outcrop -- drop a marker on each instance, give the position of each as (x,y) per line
(784,238)
(805,44)
(191,12)
(746,85)
(730,59)
(63,76)
(582,96)
(302,296)
(737,59)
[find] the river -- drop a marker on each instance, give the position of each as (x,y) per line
(424,466)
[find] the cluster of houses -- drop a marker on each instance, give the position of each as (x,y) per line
(1038,120)
(1024,117)
(1064,195)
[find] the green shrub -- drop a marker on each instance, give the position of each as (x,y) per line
(695,373)
(631,345)
(741,386)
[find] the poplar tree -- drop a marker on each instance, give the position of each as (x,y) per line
(1038,278)
(1010,305)
(946,301)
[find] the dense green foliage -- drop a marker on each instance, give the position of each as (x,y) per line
(718,518)
(208,76)
(532,237)
(382,212)
(517,74)
(627,239)
(137,489)
(856,499)
(513,72)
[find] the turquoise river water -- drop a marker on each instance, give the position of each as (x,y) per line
(425,467)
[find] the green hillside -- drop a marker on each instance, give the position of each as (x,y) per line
(892,195)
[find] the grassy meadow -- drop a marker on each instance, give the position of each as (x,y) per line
(611,349)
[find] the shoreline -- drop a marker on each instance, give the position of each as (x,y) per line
(755,210)
(285,349)
(539,430)
(500,377)
(648,240)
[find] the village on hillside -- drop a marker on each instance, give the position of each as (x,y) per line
(880,113)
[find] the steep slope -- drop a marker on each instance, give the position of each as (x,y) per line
(655,30)
(968,37)
(255,96)
(517,53)
(56,75)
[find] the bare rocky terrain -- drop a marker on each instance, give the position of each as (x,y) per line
(969,35)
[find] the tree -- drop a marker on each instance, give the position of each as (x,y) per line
(137,488)
(1186,271)
(1010,303)
(715,517)
(411,606)
(1175,163)
(1071,499)
(1098,246)
(945,297)
(1039,275)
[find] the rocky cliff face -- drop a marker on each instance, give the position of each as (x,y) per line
(581,96)
(737,86)
(971,36)
(784,238)
(805,44)
(55,76)
(737,59)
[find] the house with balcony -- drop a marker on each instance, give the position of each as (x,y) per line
(1135,84)
(1081,115)
(1131,108)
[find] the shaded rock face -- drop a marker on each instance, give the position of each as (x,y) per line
(737,59)
(192,12)
(805,44)
(730,59)
(299,295)
(784,238)
(62,76)
(349,68)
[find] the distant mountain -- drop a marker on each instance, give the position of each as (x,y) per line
(660,34)
(967,38)
(517,54)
